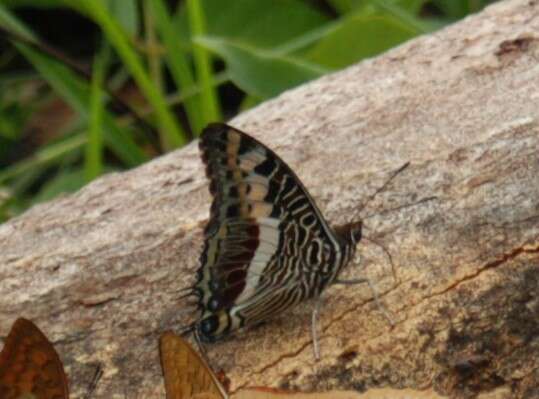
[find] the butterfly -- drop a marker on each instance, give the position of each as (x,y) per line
(267,246)
(29,366)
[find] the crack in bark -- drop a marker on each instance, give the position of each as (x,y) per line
(309,342)
(491,265)
(324,329)
(272,364)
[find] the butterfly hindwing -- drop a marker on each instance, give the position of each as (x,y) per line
(30,366)
(265,236)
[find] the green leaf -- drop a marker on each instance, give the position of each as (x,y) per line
(408,19)
(453,9)
(343,6)
(249,102)
(349,6)
(359,37)
(457,9)
(260,73)
(412,6)
(256,23)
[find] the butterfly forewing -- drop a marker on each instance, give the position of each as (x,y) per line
(29,365)
(267,245)
(186,374)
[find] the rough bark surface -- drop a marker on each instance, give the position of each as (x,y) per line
(100,271)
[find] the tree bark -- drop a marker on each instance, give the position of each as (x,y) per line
(100,271)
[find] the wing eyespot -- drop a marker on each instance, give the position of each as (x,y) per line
(209,325)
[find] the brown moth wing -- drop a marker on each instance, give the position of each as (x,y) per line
(30,366)
(186,374)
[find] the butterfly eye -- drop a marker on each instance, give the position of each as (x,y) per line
(356,230)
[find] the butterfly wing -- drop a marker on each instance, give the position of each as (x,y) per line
(186,374)
(29,365)
(265,236)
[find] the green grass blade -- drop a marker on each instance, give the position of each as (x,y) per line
(43,157)
(202,60)
(172,133)
(76,92)
(9,22)
(93,161)
(219,79)
(178,64)
(154,58)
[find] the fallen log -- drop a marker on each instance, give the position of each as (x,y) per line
(100,271)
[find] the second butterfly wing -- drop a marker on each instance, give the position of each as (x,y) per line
(30,366)
(186,374)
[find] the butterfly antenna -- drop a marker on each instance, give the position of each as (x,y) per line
(398,208)
(380,189)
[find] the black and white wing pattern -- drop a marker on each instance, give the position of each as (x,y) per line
(267,246)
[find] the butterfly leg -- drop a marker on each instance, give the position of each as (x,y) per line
(314,325)
(93,384)
(374,294)
(200,346)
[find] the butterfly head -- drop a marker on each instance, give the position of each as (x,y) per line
(350,233)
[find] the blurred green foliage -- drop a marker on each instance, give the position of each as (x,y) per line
(190,62)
